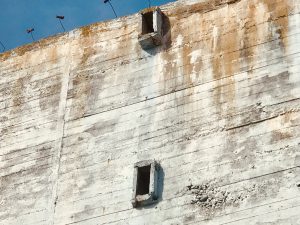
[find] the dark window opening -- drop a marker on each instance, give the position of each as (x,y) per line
(147,23)
(143,180)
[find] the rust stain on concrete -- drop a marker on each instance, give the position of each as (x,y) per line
(86,42)
(147,10)
(249,35)
(279,11)
(187,66)
(200,7)
(40,44)
(81,81)
(53,55)
(224,55)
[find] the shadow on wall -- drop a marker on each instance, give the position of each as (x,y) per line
(160,185)
(167,37)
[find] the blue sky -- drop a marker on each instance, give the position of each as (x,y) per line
(18,15)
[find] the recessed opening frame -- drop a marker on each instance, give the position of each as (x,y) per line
(145,183)
(150,27)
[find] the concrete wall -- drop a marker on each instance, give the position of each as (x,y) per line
(217,105)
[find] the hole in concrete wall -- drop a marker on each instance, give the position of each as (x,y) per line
(150,28)
(145,183)
(143,180)
(147,23)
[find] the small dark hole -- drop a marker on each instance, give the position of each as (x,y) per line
(143,180)
(148,23)
(298,185)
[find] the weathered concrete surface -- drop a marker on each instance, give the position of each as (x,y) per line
(217,105)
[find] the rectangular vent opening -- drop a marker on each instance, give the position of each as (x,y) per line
(147,23)
(143,180)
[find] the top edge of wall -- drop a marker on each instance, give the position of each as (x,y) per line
(170,9)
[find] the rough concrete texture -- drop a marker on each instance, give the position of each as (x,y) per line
(217,105)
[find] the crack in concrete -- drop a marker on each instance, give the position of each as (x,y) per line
(62,114)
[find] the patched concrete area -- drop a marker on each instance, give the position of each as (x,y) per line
(216,104)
